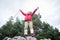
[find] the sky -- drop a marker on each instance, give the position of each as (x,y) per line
(48,9)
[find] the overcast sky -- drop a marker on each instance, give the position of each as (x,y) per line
(49,10)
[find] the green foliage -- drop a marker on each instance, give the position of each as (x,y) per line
(42,29)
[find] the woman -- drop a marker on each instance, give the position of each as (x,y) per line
(28,22)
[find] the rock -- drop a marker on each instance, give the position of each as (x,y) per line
(31,38)
(16,38)
(7,38)
(45,39)
(20,38)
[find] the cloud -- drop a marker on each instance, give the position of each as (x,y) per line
(53,13)
(49,9)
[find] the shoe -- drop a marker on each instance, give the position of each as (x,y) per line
(32,34)
(25,36)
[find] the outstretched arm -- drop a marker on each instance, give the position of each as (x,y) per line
(35,11)
(22,12)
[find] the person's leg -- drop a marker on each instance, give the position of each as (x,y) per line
(31,28)
(26,28)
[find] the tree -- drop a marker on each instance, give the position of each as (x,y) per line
(18,27)
(42,29)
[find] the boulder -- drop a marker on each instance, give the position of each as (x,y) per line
(20,38)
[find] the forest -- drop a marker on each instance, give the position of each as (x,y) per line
(42,29)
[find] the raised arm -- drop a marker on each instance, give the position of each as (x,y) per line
(22,12)
(35,11)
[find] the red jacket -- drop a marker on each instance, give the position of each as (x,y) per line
(28,16)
